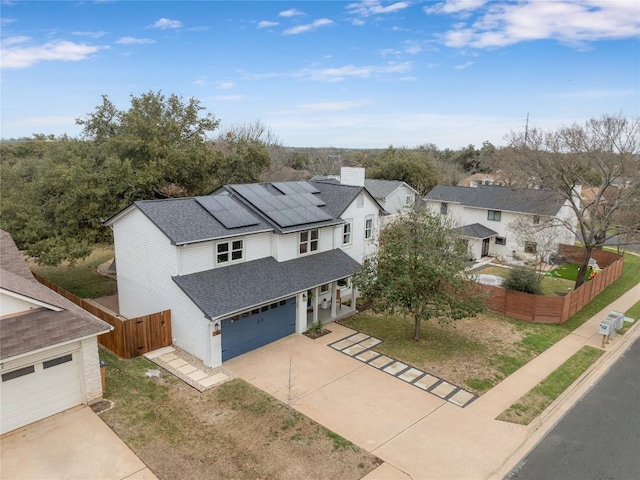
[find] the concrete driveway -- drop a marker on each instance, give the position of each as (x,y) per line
(74,444)
(357,401)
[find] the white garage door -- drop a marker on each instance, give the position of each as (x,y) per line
(33,391)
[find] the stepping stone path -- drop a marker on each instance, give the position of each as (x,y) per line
(360,346)
(200,379)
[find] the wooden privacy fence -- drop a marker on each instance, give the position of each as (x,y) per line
(130,337)
(548,309)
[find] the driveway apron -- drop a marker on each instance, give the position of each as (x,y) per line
(355,400)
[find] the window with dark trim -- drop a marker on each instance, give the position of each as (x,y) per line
(346,233)
(21,372)
(494,215)
(501,240)
(308,241)
(444,208)
(536,219)
(57,361)
(368,228)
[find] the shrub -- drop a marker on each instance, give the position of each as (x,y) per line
(523,280)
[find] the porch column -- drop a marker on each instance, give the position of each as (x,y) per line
(314,305)
(334,286)
(354,295)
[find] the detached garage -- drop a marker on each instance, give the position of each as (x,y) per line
(48,347)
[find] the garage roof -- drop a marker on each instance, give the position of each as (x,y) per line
(226,291)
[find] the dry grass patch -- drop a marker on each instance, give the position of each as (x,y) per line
(232,431)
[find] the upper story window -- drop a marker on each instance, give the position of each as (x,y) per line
(368,228)
(308,241)
(360,200)
(495,215)
(347,233)
(444,208)
(536,219)
(230,251)
(530,247)
(408,200)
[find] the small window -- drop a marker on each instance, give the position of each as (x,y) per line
(324,288)
(235,318)
(308,241)
(536,219)
(346,233)
(368,228)
(21,372)
(360,201)
(230,251)
(283,303)
(530,247)
(501,240)
(408,200)
(246,314)
(264,309)
(57,361)
(494,215)
(273,305)
(444,208)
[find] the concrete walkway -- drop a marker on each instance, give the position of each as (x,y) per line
(417,435)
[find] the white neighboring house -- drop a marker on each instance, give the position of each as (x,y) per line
(394,195)
(485,212)
(48,346)
(245,265)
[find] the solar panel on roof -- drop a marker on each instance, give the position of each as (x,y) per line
(227,211)
(307,187)
(284,187)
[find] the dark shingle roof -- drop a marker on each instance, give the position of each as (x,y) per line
(225,291)
(40,327)
(476,230)
(534,201)
(337,197)
(381,189)
(184,220)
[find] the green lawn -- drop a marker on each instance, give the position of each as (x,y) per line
(568,271)
(82,278)
(551,285)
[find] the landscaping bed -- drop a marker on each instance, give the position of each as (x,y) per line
(231,431)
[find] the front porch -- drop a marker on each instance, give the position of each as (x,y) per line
(330,302)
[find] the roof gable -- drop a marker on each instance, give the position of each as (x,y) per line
(382,189)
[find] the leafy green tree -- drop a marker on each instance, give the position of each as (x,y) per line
(418,271)
(523,280)
(412,166)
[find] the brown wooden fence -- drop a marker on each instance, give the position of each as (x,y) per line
(130,337)
(548,309)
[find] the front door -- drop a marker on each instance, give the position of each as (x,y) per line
(485,247)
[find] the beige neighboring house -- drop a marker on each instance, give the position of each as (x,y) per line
(48,346)
(482,179)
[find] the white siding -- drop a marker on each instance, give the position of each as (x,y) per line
(196,257)
(10,304)
(395,202)
(359,248)
(257,246)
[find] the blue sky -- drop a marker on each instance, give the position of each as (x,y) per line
(365,74)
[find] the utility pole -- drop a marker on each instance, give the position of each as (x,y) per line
(526,130)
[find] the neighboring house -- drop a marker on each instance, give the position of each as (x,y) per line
(48,346)
(394,195)
(245,265)
(477,179)
(484,214)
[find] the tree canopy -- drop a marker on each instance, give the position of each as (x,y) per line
(57,191)
(412,166)
(418,271)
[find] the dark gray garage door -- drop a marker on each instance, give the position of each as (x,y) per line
(254,329)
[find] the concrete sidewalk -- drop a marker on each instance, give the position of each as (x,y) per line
(454,443)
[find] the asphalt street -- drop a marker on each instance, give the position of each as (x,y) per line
(599,438)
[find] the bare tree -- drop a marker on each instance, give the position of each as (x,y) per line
(603,154)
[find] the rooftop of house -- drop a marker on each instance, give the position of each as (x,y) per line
(233,210)
(529,200)
(53,319)
(381,189)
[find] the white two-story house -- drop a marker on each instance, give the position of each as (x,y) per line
(486,215)
(247,264)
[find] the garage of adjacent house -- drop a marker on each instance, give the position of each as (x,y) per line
(38,386)
(258,327)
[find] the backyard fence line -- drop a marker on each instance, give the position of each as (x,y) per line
(130,337)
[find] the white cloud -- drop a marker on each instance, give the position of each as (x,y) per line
(13,53)
(570,22)
(367,8)
(338,74)
(98,34)
(321,22)
(331,106)
(292,12)
(464,65)
(455,6)
(134,41)
(225,85)
(267,24)
(200,81)
(165,23)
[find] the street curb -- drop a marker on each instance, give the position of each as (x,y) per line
(550,417)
